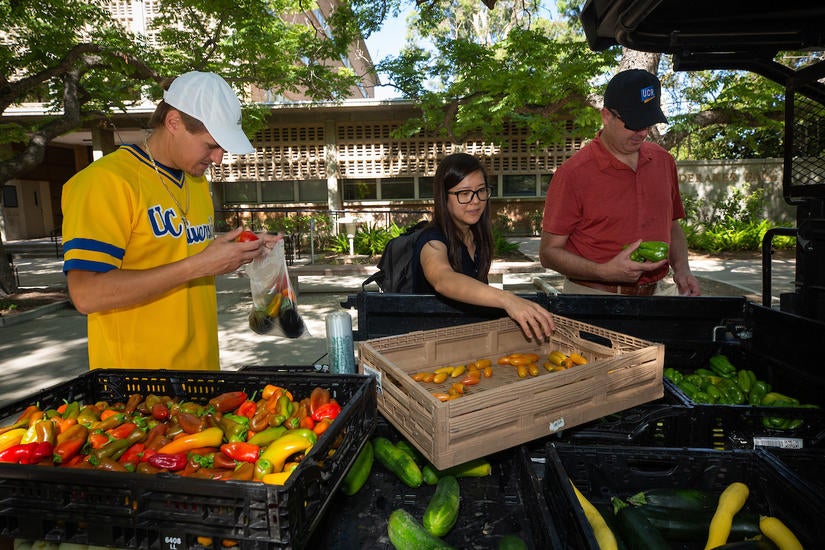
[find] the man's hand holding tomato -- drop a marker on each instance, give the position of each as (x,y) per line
(246,236)
(230,251)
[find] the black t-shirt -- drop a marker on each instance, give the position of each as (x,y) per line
(469,266)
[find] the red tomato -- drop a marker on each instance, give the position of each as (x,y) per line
(246,236)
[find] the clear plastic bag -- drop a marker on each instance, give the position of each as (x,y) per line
(274,304)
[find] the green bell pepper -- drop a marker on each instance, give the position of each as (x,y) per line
(650,251)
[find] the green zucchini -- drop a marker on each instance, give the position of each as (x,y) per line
(442,510)
(360,471)
(635,529)
(682,499)
(693,525)
(407,534)
(479,467)
(511,542)
(397,461)
(606,510)
(764,544)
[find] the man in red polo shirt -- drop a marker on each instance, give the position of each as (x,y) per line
(616,192)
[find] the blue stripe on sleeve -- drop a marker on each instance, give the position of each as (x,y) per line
(93,245)
(87,265)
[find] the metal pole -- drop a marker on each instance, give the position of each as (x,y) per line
(311,240)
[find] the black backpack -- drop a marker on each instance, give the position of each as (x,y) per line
(395,268)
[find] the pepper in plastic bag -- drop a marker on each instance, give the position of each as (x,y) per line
(274,305)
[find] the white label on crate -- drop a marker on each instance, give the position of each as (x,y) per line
(369,371)
(556,425)
(781,442)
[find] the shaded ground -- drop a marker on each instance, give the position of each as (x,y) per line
(29,299)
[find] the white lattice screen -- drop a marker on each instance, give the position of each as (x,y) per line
(368,150)
(281,153)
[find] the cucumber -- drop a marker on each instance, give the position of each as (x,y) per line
(681,499)
(635,529)
(442,510)
(410,449)
(479,467)
(360,471)
(407,534)
(397,461)
(693,525)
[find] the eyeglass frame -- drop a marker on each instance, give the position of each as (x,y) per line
(473,194)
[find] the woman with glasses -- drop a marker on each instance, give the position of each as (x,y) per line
(455,250)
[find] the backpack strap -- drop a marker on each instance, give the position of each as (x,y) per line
(377,277)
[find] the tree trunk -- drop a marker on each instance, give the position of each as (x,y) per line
(8,282)
(634,59)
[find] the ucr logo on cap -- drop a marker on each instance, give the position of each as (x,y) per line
(648,94)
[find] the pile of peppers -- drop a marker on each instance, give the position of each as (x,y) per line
(232,436)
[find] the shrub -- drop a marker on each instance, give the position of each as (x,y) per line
(733,224)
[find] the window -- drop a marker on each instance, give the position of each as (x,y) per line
(10,196)
(545,183)
(241,192)
(360,190)
(519,185)
(425,187)
(397,188)
(277,191)
(313,191)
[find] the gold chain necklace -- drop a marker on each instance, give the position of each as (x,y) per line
(183,211)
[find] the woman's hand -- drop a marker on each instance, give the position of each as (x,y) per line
(534,320)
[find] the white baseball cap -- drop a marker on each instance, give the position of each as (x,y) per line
(208,98)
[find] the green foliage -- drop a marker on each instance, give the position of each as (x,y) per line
(339,244)
(371,241)
(501,245)
(733,224)
(74,57)
(490,68)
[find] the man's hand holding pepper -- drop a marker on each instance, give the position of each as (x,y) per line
(623,269)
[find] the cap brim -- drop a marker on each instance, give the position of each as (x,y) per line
(233,141)
(645,120)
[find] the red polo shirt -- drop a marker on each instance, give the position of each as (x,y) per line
(601,204)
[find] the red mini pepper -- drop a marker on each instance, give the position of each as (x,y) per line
(123,431)
(241,451)
(27,453)
(247,409)
(327,411)
(166,461)
(228,401)
(132,454)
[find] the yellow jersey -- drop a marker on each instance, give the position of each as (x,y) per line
(121,213)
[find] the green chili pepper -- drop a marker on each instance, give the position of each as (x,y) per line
(234,427)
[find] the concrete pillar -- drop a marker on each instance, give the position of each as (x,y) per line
(335,195)
(103,142)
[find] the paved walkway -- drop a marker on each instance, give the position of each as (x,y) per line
(52,347)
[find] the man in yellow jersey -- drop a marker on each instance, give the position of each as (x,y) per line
(141,253)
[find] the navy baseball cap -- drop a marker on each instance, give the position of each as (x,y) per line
(635,94)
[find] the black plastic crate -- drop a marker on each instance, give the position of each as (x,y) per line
(170,512)
(600,472)
(807,464)
(741,426)
(507,502)
(661,423)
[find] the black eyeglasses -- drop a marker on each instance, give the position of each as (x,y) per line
(617,115)
(465,196)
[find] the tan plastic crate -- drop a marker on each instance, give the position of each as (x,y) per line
(504,411)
